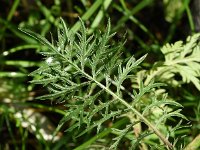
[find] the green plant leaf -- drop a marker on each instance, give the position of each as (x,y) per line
(87,74)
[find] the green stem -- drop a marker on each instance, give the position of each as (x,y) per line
(191,22)
(12,11)
(178,16)
(99,16)
(126,12)
(11,132)
(137,8)
(49,108)
(194,145)
(21,47)
(149,124)
(102,134)
(87,15)
(9,17)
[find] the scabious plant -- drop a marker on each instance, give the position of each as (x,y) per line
(180,59)
(87,74)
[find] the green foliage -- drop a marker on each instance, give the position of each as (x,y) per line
(87,74)
(26,123)
(180,59)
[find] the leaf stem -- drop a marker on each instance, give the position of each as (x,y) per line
(149,124)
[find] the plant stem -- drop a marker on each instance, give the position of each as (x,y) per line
(194,145)
(134,10)
(149,124)
(87,15)
(102,134)
(9,17)
(99,16)
(190,20)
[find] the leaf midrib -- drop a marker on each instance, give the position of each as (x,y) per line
(146,121)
